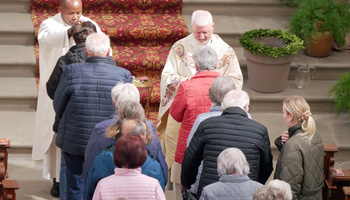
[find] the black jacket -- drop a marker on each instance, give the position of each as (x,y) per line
(76,54)
(232,129)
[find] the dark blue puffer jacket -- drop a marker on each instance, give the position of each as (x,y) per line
(83,98)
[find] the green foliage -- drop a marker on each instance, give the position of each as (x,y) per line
(293,42)
(341,92)
(333,16)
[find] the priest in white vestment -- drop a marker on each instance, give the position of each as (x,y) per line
(181,67)
(54,41)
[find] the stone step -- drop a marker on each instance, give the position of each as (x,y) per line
(316,95)
(14,6)
(17,61)
(18,126)
(238,7)
(18,94)
(16,29)
(328,68)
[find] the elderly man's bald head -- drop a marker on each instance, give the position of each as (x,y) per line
(71,11)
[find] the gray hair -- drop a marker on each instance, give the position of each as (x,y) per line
(97,44)
(139,127)
(124,92)
(232,160)
(205,57)
(283,186)
(268,193)
(220,86)
(201,18)
(235,98)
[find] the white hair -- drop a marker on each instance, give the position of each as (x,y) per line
(235,98)
(283,186)
(124,92)
(205,57)
(201,18)
(232,160)
(97,44)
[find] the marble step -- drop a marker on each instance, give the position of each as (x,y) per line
(18,126)
(328,68)
(18,94)
(16,29)
(316,95)
(17,61)
(14,6)
(238,7)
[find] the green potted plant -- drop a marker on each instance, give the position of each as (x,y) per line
(317,21)
(340,93)
(269,53)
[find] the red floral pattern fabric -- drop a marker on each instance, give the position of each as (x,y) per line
(141,31)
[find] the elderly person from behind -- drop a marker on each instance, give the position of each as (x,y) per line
(234,182)
(105,133)
(103,165)
(127,181)
(267,192)
(283,186)
(232,128)
(191,99)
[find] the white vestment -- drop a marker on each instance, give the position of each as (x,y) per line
(53,43)
(180,67)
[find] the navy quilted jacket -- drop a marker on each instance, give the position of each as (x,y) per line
(83,98)
(232,129)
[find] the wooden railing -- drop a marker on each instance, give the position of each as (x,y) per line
(334,183)
(7,187)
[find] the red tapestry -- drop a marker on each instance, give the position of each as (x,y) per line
(141,31)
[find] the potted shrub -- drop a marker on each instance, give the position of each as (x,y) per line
(340,93)
(317,21)
(269,54)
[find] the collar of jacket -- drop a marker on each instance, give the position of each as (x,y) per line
(78,47)
(209,73)
(215,109)
(234,178)
(98,59)
(294,130)
(234,110)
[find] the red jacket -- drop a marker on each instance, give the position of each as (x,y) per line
(191,100)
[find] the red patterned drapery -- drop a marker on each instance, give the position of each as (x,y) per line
(141,31)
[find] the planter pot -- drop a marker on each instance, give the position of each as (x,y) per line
(266,74)
(320,45)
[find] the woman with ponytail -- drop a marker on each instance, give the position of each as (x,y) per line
(300,162)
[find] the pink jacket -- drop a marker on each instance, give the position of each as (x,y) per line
(130,184)
(191,100)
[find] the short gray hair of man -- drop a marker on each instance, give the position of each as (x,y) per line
(232,160)
(220,86)
(283,186)
(124,92)
(235,98)
(205,57)
(97,44)
(139,127)
(201,17)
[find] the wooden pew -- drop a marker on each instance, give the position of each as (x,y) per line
(333,183)
(346,191)
(7,187)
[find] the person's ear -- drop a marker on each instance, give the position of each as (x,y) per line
(196,66)
(86,51)
(109,50)
(213,26)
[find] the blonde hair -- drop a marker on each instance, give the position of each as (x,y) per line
(126,109)
(300,109)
